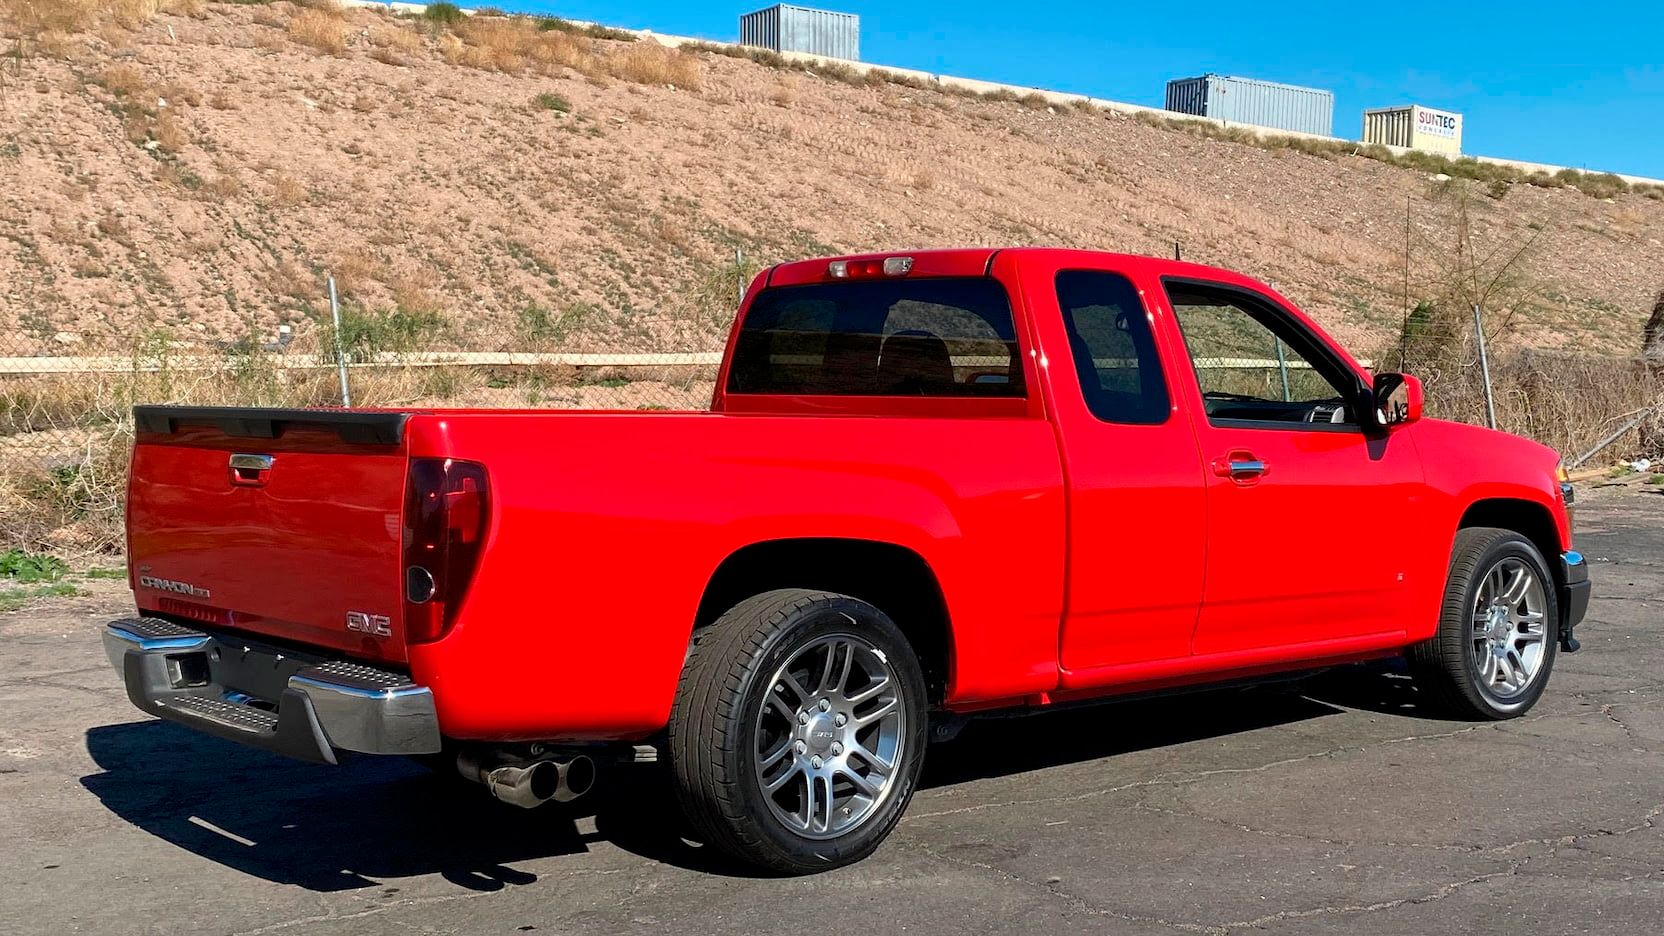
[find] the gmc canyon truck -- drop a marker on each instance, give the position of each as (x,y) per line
(929,484)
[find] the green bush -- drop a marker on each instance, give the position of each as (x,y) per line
(549,100)
(28,567)
(447,13)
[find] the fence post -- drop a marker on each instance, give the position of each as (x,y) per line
(340,357)
(739,271)
(1484,366)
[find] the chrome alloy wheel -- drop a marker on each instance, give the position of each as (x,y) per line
(1510,630)
(829,736)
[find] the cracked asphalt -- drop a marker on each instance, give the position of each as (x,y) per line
(1329,805)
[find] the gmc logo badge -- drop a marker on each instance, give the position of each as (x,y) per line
(376,625)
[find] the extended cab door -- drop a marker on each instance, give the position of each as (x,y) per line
(1136,489)
(1301,500)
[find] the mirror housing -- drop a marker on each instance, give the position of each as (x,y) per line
(1396,399)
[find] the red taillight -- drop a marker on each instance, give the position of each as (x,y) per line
(447,507)
(868,269)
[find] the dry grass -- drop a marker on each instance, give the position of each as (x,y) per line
(417,291)
(37,17)
(1567,402)
(321,29)
(293,280)
(512,44)
(287,193)
(652,64)
(398,38)
(394,44)
(56,18)
(168,132)
(494,43)
(123,81)
(354,270)
(784,95)
(222,187)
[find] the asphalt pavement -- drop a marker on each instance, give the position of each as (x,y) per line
(1333,805)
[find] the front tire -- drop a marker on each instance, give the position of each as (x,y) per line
(798,730)
(1498,628)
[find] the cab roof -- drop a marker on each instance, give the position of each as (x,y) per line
(979,261)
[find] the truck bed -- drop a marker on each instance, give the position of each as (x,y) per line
(603,531)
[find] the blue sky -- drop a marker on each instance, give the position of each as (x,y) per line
(1571,84)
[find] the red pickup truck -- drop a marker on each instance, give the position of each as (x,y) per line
(929,484)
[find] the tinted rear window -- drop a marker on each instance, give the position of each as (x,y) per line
(923,337)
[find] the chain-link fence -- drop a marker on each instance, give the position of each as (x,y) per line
(65,408)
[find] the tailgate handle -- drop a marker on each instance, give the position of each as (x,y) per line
(250,470)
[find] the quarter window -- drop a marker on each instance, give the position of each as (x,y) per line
(1112,347)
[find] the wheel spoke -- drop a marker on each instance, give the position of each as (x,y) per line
(1517,586)
(884,708)
(795,770)
(1493,586)
(1487,667)
(1529,637)
(767,761)
(867,786)
(836,675)
(873,760)
(818,804)
(1510,673)
(868,691)
(780,705)
(790,682)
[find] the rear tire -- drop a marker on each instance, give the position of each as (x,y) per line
(798,731)
(1498,629)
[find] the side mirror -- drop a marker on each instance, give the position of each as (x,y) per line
(1397,398)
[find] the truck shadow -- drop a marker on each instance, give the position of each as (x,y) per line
(377,819)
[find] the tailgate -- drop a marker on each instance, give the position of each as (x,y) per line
(284,523)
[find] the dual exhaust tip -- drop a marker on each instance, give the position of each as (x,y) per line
(531,783)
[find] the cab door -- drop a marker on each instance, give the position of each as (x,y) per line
(1300,498)
(1137,496)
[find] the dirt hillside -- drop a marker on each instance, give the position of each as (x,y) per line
(200,171)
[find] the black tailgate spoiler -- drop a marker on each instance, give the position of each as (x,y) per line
(253,422)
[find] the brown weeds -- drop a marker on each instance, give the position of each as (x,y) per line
(287,193)
(321,29)
(653,64)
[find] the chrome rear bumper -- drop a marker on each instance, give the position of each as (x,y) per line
(298,705)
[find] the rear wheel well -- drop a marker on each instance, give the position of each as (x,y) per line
(1527,518)
(892,578)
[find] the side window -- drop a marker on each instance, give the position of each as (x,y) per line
(1113,350)
(1254,366)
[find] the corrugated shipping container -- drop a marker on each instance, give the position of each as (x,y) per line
(1250,101)
(786,28)
(1416,127)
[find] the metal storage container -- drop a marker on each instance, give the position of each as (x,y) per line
(1250,101)
(786,28)
(1416,127)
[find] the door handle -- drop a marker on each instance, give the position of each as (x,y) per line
(1240,466)
(250,470)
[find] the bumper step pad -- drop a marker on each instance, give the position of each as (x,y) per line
(268,698)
